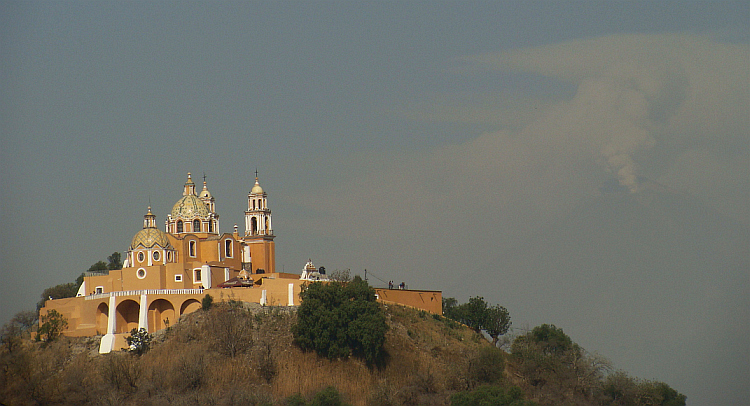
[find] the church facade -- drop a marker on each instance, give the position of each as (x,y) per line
(166,274)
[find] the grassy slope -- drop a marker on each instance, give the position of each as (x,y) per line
(428,358)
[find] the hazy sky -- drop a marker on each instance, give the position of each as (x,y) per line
(429,142)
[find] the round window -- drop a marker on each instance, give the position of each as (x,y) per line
(169,256)
(141,257)
(156,255)
(141,273)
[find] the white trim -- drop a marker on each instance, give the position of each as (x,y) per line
(197,276)
(178,277)
(99,290)
(138,273)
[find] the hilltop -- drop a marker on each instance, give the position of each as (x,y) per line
(429,358)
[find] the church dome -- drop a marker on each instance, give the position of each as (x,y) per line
(150,237)
(190,206)
(256,189)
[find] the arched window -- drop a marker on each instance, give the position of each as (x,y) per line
(228,248)
(156,255)
(179,226)
(192,248)
(141,257)
(211,226)
(253,226)
(196,226)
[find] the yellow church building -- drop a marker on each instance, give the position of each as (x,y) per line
(166,274)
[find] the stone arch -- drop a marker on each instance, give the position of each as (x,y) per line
(102,318)
(190,306)
(127,316)
(159,312)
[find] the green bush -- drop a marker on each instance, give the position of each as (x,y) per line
(53,324)
(491,396)
(341,319)
(207,301)
(139,341)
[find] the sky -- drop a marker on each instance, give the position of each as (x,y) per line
(583,164)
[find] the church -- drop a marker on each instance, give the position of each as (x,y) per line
(166,274)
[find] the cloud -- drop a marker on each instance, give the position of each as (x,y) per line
(642,106)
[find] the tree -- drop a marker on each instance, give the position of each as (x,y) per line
(53,324)
(555,368)
(114,261)
(231,328)
(479,315)
(60,291)
(207,301)
(341,319)
(491,395)
(99,267)
(139,341)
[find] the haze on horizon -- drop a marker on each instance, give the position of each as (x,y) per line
(583,164)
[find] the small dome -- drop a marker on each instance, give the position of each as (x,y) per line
(150,237)
(205,194)
(190,206)
(256,189)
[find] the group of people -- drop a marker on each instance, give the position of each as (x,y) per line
(401,286)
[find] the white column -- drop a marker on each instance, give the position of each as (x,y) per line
(291,294)
(226,274)
(111,315)
(143,314)
(206,276)
(263,298)
(108,341)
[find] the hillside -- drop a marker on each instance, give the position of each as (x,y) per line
(427,355)
(196,362)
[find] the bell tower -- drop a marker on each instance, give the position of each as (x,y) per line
(258,215)
(259,251)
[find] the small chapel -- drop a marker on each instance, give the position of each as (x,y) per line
(166,274)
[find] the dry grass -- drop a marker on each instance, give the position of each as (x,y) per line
(427,361)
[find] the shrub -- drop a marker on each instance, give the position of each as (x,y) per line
(486,367)
(327,397)
(53,324)
(139,341)
(341,319)
(207,301)
(231,328)
(491,395)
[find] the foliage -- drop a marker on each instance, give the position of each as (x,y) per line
(485,367)
(556,369)
(340,275)
(207,301)
(53,324)
(14,330)
(114,261)
(60,291)
(341,319)
(491,396)
(99,267)
(139,341)
(479,315)
(327,397)
(231,328)
(619,389)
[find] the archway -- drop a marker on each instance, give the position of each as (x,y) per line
(127,316)
(160,315)
(102,318)
(189,306)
